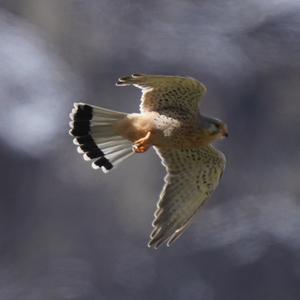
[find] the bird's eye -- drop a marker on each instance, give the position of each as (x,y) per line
(213,129)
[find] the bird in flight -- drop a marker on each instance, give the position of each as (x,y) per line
(169,120)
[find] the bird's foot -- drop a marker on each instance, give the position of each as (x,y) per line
(143,144)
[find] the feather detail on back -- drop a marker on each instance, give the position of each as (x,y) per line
(166,92)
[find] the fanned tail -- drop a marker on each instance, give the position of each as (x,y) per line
(94,130)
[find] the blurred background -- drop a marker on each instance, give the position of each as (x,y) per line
(70,232)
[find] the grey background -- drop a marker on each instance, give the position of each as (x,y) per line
(69,232)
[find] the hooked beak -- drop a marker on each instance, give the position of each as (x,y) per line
(225,131)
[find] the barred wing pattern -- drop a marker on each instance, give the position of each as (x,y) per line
(192,176)
(166,92)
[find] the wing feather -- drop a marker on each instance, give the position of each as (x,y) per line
(192,176)
(161,92)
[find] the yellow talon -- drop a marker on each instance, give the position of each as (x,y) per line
(143,144)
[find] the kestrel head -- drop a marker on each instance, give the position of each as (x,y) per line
(214,128)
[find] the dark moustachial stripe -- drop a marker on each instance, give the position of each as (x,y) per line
(81,131)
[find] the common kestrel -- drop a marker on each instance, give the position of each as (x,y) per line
(170,121)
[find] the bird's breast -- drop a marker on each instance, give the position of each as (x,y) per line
(178,133)
(165,131)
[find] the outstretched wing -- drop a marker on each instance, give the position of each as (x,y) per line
(166,92)
(192,176)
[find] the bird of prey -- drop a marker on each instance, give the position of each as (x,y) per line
(169,120)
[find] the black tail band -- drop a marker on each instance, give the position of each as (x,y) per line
(83,112)
(103,162)
(81,131)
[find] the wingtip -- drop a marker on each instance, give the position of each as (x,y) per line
(136,75)
(123,80)
(152,246)
(127,80)
(120,83)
